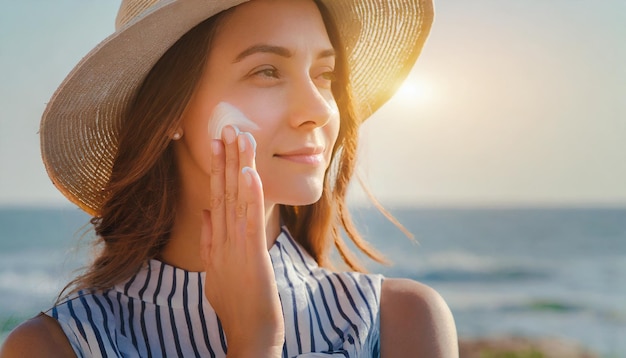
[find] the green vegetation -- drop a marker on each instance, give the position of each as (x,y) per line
(8,323)
(488,353)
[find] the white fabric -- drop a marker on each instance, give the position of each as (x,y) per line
(162,312)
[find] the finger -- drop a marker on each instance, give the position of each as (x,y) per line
(205,237)
(252,195)
(217,207)
(231,175)
(247,150)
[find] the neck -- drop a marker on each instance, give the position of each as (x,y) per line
(182,249)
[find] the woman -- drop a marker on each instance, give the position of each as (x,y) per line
(194,228)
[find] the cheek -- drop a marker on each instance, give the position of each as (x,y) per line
(263,108)
(196,141)
(332,129)
(198,153)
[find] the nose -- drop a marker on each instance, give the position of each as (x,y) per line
(311,106)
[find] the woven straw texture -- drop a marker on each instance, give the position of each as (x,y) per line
(80,124)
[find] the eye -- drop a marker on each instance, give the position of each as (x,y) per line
(326,78)
(329,76)
(268,72)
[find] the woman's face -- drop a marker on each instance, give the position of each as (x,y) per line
(271,59)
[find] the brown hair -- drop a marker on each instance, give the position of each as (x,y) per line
(137,216)
(318,226)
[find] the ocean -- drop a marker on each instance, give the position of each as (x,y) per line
(557,272)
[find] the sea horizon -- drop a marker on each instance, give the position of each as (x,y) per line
(539,272)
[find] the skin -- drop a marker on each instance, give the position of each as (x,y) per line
(227,216)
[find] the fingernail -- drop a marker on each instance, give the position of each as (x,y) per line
(247,175)
(229,134)
(251,139)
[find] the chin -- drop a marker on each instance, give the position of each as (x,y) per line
(299,196)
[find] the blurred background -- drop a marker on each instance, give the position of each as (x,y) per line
(502,153)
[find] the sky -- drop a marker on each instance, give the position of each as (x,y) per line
(511,103)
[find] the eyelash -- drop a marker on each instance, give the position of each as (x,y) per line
(273,73)
(264,72)
(330,76)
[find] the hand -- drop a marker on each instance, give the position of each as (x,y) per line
(240,282)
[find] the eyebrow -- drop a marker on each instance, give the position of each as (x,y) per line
(277,50)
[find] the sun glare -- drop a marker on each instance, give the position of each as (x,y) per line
(415,92)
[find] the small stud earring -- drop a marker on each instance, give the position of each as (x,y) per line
(177,136)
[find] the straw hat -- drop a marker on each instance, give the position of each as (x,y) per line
(80,125)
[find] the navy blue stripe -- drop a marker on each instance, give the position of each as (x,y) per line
(371,285)
(131,314)
(79,324)
(222,337)
(324,301)
(358,288)
(188,315)
(108,299)
(293,303)
(348,295)
(366,324)
(205,332)
(340,309)
(55,313)
(311,332)
(157,290)
(172,316)
(121,308)
(157,312)
(129,284)
(376,348)
(145,285)
(105,320)
(312,302)
(93,325)
(326,306)
(144,330)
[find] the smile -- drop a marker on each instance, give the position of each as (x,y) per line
(304,156)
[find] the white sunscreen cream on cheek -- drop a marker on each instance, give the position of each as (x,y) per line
(226,114)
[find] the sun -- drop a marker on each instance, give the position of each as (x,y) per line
(415,91)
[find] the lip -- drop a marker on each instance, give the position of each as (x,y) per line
(304,155)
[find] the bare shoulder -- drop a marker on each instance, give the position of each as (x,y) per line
(40,336)
(415,321)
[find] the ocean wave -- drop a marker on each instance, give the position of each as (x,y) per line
(463,267)
(489,275)
(38,283)
(495,275)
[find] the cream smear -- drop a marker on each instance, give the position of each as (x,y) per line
(226,114)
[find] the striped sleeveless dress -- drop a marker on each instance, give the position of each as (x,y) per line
(162,312)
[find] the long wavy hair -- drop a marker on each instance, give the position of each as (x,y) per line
(136,219)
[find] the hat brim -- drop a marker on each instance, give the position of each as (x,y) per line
(81,122)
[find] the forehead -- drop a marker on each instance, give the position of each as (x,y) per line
(291,23)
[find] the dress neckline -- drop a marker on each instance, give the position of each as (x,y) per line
(167,285)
